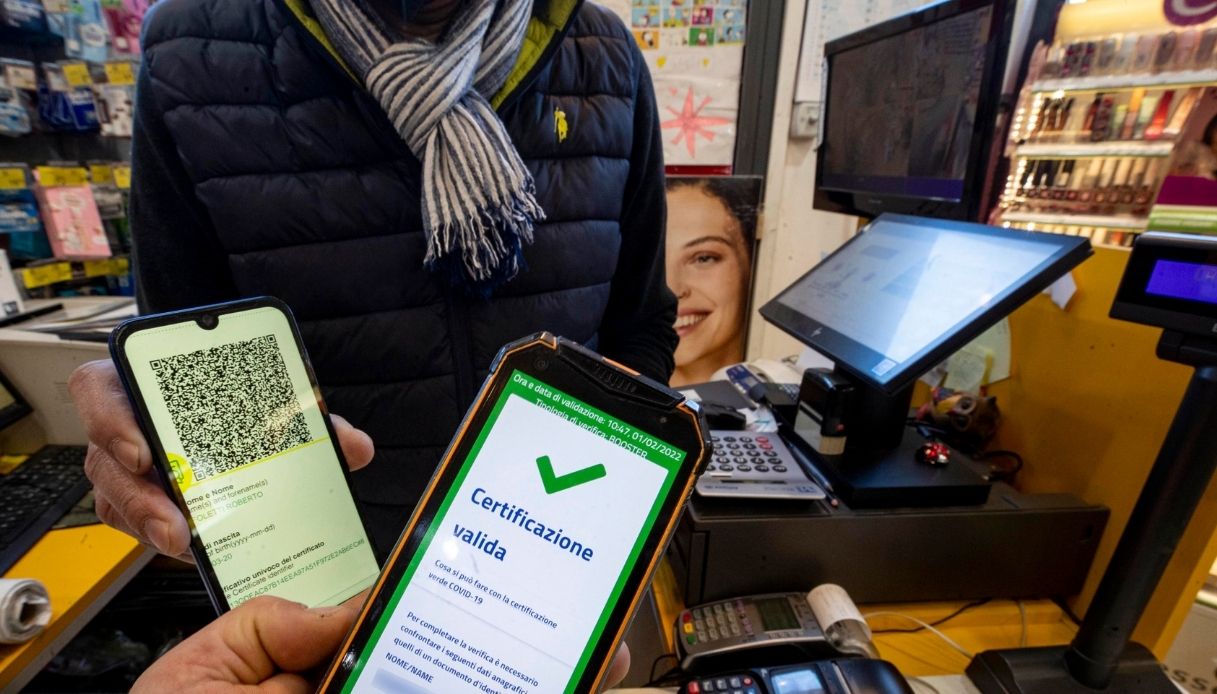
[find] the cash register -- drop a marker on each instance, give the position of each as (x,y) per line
(887,307)
(893,302)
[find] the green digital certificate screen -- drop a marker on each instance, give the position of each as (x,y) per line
(518,573)
(248,449)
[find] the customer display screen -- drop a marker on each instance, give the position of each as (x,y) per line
(776,614)
(514,582)
(901,111)
(804,681)
(1181,280)
(893,296)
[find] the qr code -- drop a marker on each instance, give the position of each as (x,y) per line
(232,405)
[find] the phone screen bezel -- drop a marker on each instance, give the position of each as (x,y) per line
(118,340)
(676,424)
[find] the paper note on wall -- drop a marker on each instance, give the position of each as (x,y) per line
(997,341)
(1062,291)
(831,19)
(968,369)
(981,362)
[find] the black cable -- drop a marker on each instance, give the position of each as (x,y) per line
(944,620)
(1002,473)
(655,681)
(1073,616)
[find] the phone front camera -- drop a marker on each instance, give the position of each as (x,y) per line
(208,322)
(541,363)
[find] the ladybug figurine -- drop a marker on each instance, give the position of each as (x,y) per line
(933,453)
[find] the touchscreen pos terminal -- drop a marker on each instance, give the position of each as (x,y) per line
(893,302)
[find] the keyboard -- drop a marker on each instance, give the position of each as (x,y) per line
(752,465)
(36,495)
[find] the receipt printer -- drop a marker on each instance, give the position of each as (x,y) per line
(821,419)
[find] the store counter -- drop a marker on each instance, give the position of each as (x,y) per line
(915,651)
(83,568)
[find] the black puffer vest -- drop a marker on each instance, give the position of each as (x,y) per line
(313,197)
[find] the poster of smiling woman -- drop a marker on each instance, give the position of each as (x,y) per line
(711,238)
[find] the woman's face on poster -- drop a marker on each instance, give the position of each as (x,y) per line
(708,270)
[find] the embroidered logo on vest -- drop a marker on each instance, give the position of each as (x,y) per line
(560,127)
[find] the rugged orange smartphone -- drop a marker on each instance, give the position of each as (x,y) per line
(538,533)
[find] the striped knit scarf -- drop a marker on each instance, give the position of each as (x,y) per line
(479,203)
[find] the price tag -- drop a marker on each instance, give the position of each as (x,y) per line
(101,174)
(122,177)
(55,176)
(76,74)
(12,179)
(120,73)
(42,275)
(99,268)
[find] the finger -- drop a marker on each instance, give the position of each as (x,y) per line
(145,510)
(619,668)
(106,413)
(108,515)
(272,635)
(357,446)
(285,683)
(255,643)
(357,599)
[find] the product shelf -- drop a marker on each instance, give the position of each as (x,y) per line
(1182,78)
(1078,220)
(1123,148)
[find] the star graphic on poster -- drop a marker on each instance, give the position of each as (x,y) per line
(690,123)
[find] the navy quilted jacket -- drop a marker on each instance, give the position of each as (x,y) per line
(261,167)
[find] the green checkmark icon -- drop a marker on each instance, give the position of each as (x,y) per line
(557,483)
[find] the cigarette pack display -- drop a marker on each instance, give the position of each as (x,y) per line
(85,30)
(115,109)
(125,17)
(22,15)
(73,225)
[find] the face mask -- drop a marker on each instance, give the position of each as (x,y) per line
(410,8)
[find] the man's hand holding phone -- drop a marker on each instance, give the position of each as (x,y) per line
(266,644)
(270,644)
(119,461)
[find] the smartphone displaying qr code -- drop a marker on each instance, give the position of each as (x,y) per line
(244,445)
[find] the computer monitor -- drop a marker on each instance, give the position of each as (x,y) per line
(12,406)
(901,297)
(909,112)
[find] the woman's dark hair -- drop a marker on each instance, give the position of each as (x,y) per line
(1210,132)
(740,195)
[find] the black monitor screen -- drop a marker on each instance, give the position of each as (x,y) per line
(900,111)
(12,406)
(905,293)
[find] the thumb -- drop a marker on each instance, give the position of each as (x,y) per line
(297,639)
(267,636)
(357,446)
(265,641)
